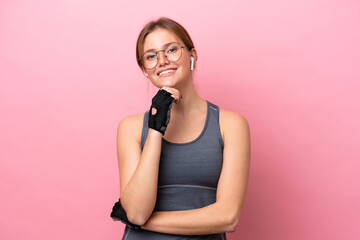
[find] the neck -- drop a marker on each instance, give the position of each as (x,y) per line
(190,104)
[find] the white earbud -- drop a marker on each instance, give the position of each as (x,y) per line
(146,75)
(192,63)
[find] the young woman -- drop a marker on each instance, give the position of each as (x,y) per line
(184,164)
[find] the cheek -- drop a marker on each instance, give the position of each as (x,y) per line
(185,63)
(152,72)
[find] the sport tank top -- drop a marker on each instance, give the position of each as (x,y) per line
(188,175)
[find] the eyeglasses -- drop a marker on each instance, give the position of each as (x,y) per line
(173,53)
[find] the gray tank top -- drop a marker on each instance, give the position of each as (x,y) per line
(188,175)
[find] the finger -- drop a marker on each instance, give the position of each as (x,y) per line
(174,93)
(178,97)
(170,89)
(174,90)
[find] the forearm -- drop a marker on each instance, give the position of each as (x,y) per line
(207,220)
(139,196)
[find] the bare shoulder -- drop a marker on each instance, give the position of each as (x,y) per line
(131,126)
(232,123)
(232,117)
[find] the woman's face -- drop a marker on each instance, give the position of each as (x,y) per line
(157,40)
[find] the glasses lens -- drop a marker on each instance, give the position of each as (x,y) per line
(149,60)
(173,52)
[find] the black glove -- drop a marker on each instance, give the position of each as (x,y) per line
(118,212)
(162,102)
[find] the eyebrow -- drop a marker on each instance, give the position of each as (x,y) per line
(165,45)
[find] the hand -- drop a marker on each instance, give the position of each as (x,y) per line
(159,114)
(174,93)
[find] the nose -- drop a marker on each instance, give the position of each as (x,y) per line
(162,58)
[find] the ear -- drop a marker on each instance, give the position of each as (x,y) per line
(194,54)
(143,70)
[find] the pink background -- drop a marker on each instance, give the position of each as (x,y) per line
(68,75)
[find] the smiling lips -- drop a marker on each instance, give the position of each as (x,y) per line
(167,72)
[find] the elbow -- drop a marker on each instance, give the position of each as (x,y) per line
(232,223)
(137,219)
(136,215)
(232,226)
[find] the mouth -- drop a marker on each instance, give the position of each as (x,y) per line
(167,72)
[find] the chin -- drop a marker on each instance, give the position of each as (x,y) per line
(169,82)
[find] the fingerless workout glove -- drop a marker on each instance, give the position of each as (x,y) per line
(162,102)
(118,212)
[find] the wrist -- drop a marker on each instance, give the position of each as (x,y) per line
(155,133)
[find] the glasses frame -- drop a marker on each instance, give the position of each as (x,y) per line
(157,57)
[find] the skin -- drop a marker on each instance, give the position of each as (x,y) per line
(139,169)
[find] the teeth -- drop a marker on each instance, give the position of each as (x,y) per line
(167,71)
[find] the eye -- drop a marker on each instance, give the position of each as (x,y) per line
(172,49)
(150,56)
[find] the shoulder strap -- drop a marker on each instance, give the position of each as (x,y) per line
(145,129)
(216,125)
(216,109)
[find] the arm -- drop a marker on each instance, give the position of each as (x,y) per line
(223,215)
(138,170)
